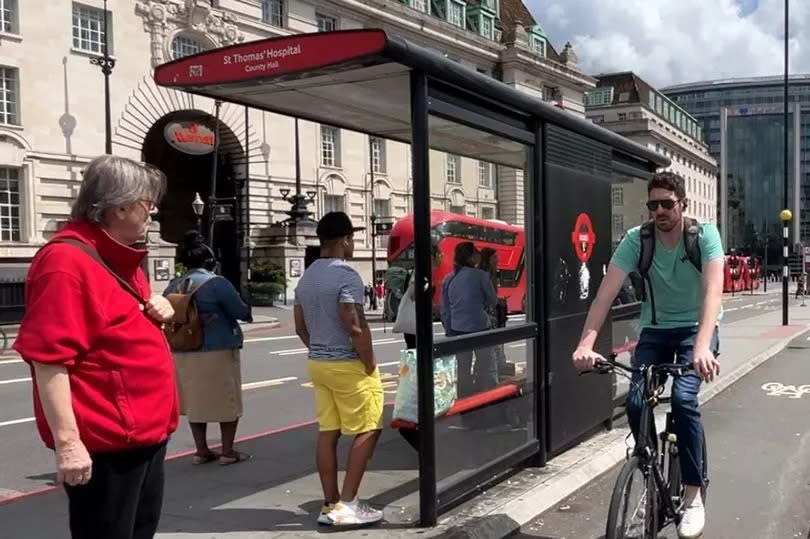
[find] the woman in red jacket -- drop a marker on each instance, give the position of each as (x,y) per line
(104,389)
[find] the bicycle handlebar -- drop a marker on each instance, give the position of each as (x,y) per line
(610,364)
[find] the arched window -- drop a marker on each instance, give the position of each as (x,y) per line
(184,45)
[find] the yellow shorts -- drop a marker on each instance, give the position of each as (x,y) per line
(346,398)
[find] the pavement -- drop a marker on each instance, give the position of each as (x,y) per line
(276,494)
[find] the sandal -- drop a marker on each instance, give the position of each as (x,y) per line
(234,458)
(197,460)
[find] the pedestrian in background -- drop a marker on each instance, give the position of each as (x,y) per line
(105,398)
(467,293)
(210,378)
(330,321)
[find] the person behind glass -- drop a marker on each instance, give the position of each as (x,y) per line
(410,291)
(104,393)
(210,379)
(466,295)
(497,313)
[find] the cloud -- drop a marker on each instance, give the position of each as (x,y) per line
(668,42)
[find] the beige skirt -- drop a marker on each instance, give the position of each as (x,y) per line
(210,385)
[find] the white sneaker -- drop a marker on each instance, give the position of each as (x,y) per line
(354,513)
(323,518)
(692,521)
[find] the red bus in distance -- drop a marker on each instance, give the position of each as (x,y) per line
(448,230)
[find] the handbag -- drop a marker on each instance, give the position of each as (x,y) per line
(406,315)
(406,403)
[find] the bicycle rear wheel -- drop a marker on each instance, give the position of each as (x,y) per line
(633,512)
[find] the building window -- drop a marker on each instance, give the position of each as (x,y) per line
(420,5)
(457,210)
(618,195)
(618,224)
(378,155)
(330,146)
(484,174)
(8,16)
(333,203)
(273,12)
(88,29)
(326,23)
(487,27)
(382,208)
(453,170)
(599,97)
(455,13)
(539,45)
(9,204)
(622,116)
(9,96)
(183,46)
(487,212)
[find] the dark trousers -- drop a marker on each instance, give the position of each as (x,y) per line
(657,346)
(410,341)
(481,376)
(124,497)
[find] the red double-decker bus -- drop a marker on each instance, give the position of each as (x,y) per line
(448,230)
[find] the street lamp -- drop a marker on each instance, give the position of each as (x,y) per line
(199,207)
(106,64)
(785,216)
(298,212)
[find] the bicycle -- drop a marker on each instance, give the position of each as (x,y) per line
(658,472)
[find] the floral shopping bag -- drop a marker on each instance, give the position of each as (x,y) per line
(406,406)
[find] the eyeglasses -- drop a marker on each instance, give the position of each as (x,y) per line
(667,204)
(150,207)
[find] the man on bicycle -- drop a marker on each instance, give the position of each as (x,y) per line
(687,303)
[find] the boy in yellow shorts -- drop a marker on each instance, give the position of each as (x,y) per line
(330,321)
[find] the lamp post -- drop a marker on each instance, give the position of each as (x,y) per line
(199,207)
(785,216)
(106,64)
(298,212)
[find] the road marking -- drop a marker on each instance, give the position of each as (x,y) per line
(518,345)
(776,389)
(731,309)
(14,381)
(17,421)
(268,383)
(10,361)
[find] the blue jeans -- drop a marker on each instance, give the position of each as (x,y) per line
(656,346)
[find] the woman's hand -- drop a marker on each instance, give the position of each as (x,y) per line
(73,464)
(160,309)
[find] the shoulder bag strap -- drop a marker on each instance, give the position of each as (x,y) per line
(92,253)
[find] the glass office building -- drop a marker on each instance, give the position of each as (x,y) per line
(743,126)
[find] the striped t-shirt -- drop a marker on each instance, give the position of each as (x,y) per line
(325,284)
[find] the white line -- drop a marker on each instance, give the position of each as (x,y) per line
(10,361)
(389,364)
(518,345)
(16,421)
(14,381)
(731,309)
(268,383)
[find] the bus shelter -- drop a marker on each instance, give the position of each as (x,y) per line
(373,82)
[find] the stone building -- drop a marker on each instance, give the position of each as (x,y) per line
(52,119)
(627,105)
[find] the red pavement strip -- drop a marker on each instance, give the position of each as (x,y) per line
(174,456)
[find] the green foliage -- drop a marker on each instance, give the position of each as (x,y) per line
(263,270)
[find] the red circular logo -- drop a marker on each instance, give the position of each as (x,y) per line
(583,237)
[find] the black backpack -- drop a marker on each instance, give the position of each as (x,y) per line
(691,228)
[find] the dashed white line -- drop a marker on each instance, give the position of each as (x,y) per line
(17,421)
(14,381)
(268,383)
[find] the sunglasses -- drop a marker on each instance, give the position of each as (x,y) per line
(667,204)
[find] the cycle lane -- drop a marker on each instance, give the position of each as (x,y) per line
(759,457)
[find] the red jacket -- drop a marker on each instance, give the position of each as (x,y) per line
(121,370)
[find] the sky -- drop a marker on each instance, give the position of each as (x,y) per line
(670,42)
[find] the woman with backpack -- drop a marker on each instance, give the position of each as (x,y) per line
(208,368)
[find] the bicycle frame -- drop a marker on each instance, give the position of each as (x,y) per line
(646,447)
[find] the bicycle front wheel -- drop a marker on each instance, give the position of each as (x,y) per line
(633,512)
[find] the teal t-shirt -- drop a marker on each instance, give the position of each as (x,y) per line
(677,284)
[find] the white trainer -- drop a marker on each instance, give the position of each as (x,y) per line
(692,521)
(323,518)
(354,513)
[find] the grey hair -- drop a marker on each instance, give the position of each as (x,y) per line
(111,181)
